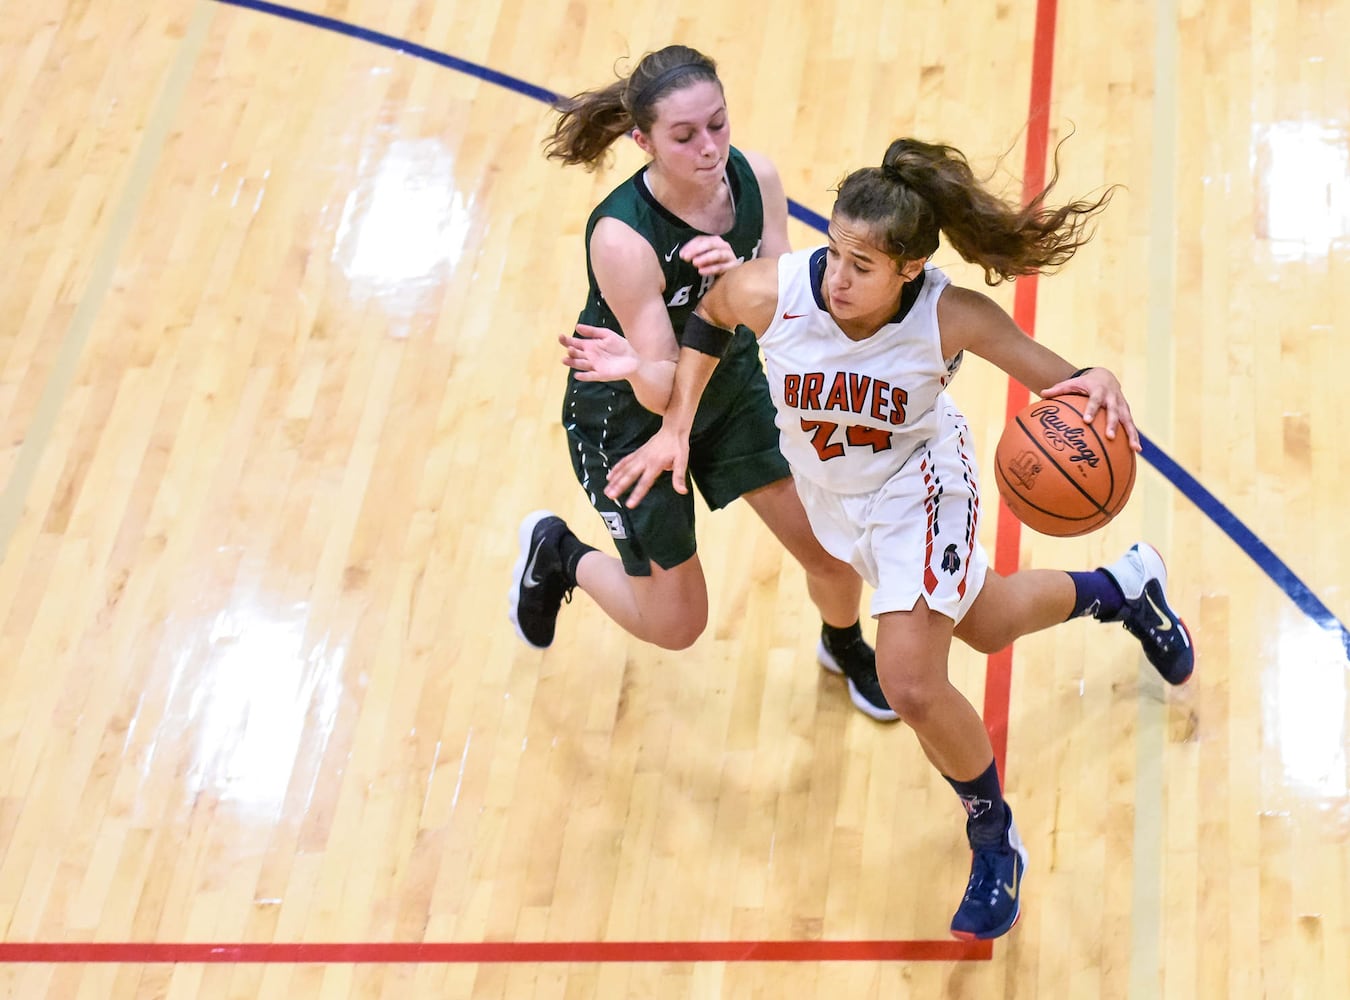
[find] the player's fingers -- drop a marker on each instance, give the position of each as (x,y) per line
(677,474)
(619,478)
(1065,388)
(587,333)
(720,266)
(1125,418)
(702,244)
(640,489)
(1090,408)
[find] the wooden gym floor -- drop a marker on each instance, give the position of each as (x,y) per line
(278,379)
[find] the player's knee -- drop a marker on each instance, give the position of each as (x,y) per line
(679,629)
(680,633)
(986,641)
(987,627)
(909,698)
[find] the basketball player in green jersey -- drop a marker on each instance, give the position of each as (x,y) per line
(653,247)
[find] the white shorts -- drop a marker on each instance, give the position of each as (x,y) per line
(916,535)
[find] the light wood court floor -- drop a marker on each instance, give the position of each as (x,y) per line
(278,380)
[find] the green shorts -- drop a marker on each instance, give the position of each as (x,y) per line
(730,454)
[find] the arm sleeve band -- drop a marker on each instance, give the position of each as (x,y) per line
(702,336)
(1081,371)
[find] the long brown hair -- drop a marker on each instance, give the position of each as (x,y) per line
(589,122)
(922,188)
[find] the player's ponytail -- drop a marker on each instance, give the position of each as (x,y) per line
(923,188)
(589,122)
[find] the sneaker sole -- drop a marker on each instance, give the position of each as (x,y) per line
(524,535)
(826,660)
(967,936)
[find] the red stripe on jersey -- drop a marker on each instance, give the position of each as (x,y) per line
(972,509)
(930,507)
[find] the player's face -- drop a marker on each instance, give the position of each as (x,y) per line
(691,135)
(862,282)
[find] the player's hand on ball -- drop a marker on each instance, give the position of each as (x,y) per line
(1103,391)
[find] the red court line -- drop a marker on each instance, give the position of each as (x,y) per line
(996,706)
(148,953)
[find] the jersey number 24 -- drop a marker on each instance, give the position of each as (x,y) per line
(828,444)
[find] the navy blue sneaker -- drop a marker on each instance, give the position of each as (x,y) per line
(538,584)
(857,661)
(1142,578)
(993,899)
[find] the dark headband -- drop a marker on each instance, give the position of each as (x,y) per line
(654,86)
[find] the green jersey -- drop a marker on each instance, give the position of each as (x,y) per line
(733,445)
(633,204)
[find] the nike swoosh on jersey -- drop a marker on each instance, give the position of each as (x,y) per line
(788,315)
(671,255)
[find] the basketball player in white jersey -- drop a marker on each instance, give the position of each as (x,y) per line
(860,339)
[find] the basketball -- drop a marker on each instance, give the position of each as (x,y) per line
(1059,474)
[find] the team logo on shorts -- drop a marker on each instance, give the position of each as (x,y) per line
(614,521)
(951,562)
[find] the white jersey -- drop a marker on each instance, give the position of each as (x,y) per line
(850,412)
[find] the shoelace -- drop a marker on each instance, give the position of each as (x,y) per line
(983,872)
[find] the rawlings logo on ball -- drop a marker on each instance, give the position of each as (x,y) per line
(1064,437)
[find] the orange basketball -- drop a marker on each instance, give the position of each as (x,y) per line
(1059,474)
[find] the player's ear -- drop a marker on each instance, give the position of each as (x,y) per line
(910,269)
(643,143)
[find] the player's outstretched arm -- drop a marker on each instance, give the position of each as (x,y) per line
(745,296)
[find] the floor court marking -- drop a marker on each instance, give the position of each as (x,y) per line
(1150,736)
(390,953)
(125,209)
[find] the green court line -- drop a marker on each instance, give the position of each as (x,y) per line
(127,207)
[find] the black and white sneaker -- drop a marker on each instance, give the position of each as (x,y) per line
(1142,578)
(857,661)
(538,584)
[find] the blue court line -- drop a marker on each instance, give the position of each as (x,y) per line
(1275,568)
(1246,540)
(399,45)
(799,212)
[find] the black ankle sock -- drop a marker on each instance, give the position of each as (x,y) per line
(1095,593)
(571,549)
(838,637)
(986,812)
